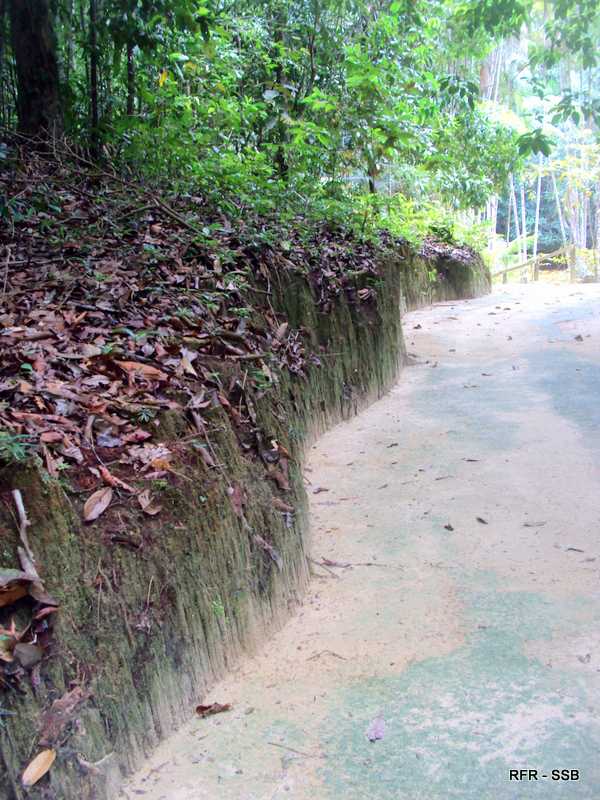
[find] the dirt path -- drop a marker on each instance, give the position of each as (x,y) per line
(467,503)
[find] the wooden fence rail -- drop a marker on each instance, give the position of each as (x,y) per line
(534,263)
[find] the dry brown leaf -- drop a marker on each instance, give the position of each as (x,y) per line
(12,594)
(145,370)
(97,504)
(55,719)
(187,356)
(213,708)
(14,584)
(112,480)
(281,331)
(147,505)
(37,768)
(281,505)
(51,437)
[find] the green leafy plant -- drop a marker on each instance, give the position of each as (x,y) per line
(14,447)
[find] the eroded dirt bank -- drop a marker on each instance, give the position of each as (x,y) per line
(459,600)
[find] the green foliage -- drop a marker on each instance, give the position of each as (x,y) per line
(14,447)
(276,106)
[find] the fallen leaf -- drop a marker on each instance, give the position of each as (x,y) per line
(279,478)
(14,584)
(106,439)
(147,505)
(147,371)
(213,708)
(28,654)
(61,712)
(281,331)
(112,480)
(376,729)
(281,505)
(482,520)
(97,503)
(187,356)
(448,527)
(268,548)
(37,768)
(585,659)
(320,489)
(329,563)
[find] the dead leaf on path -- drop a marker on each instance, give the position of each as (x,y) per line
(533,524)
(97,504)
(213,708)
(448,527)
(147,505)
(471,460)
(393,444)
(320,489)
(585,659)
(376,729)
(579,338)
(574,550)
(37,768)
(482,520)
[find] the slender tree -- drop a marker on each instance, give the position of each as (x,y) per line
(34,47)
(94,57)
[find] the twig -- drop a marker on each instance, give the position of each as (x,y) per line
(8,248)
(323,566)
(292,750)
(23,522)
(326,652)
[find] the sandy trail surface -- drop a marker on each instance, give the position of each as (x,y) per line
(466,507)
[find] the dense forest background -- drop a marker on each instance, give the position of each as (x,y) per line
(475,120)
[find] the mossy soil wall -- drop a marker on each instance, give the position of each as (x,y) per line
(153,610)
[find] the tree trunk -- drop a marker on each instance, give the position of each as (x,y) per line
(94,116)
(559,210)
(524,221)
(3,81)
(130,79)
(538,197)
(34,47)
(513,197)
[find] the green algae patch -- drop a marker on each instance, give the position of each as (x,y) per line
(154,609)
